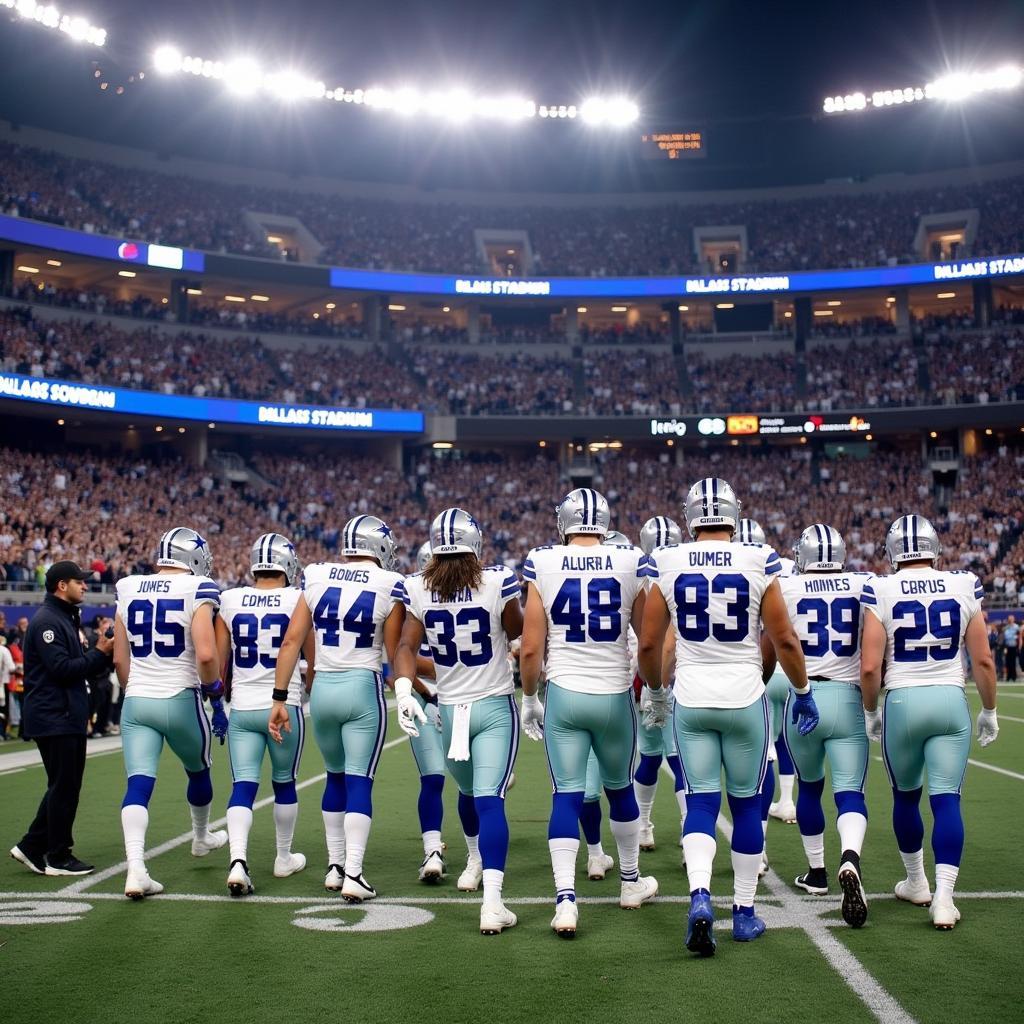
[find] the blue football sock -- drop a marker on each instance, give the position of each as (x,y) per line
(810,817)
(493,832)
(139,790)
(767,790)
(702,813)
(243,794)
(747,836)
(647,770)
(431,804)
(359,789)
(850,801)
(677,771)
(468,816)
(784,760)
(200,788)
(335,792)
(566,811)
(906,820)
(590,819)
(948,831)
(622,805)
(284,793)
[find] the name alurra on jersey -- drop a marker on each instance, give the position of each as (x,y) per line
(261,601)
(154,586)
(587,563)
(923,586)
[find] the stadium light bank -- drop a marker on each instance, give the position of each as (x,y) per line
(77,28)
(952,88)
(245,77)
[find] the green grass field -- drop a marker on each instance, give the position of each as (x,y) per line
(82,952)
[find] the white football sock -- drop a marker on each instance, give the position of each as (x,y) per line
(200,820)
(563,864)
(627,839)
(914,863)
(432,842)
(945,879)
(814,850)
(493,881)
(645,800)
(595,850)
(334,829)
(134,822)
(285,816)
(472,846)
(699,849)
(681,800)
(357,835)
(786,783)
(239,824)
(745,867)
(852,827)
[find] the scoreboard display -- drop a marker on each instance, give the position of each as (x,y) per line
(673,145)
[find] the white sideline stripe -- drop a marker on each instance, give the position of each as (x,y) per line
(31,759)
(81,886)
(989,767)
(1010,718)
(11,771)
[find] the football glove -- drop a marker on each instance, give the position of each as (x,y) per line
(220,719)
(655,706)
(213,691)
(988,726)
(805,712)
(409,710)
(533,717)
(873,725)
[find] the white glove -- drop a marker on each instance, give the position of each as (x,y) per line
(409,710)
(873,725)
(433,714)
(655,706)
(533,717)
(988,726)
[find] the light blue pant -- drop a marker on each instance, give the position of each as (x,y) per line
(427,751)
(180,720)
(777,690)
(493,745)
(926,730)
(249,739)
(736,739)
(840,737)
(349,719)
(576,724)
(592,791)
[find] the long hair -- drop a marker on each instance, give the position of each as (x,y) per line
(447,575)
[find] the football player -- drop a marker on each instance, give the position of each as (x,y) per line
(824,605)
(468,614)
(716,595)
(250,628)
(165,655)
(919,622)
(354,610)
(582,596)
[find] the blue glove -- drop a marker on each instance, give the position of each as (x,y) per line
(805,712)
(220,720)
(214,690)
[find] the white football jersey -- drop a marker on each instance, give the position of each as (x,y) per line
(824,608)
(588,594)
(713,590)
(157,612)
(788,566)
(467,640)
(925,613)
(349,604)
(257,620)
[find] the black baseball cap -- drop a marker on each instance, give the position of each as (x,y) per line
(65,571)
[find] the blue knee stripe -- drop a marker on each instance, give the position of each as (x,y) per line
(566,811)
(702,813)
(590,819)
(785,759)
(359,789)
(850,802)
(747,836)
(139,791)
(468,816)
(243,794)
(647,770)
(284,793)
(810,817)
(431,805)
(335,792)
(677,771)
(948,831)
(906,820)
(200,788)
(622,805)
(767,790)
(493,831)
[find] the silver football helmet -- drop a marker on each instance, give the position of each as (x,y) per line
(750,532)
(616,537)
(711,503)
(912,539)
(659,532)
(820,549)
(369,536)
(583,510)
(274,553)
(455,532)
(184,548)
(423,556)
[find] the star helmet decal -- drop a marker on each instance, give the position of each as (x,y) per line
(384,530)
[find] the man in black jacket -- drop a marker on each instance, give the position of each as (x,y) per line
(56,715)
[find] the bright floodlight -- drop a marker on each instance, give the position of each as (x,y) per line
(243,76)
(617,111)
(47,15)
(167,60)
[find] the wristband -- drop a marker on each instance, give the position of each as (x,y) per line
(801,693)
(214,689)
(279,695)
(403,687)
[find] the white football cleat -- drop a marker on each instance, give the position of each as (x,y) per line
(202,845)
(335,878)
(646,836)
(239,882)
(783,811)
(566,918)
(917,893)
(433,868)
(495,918)
(598,865)
(290,865)
(944,915)
(633,894)
(138,885)
(356,889)
(472,876)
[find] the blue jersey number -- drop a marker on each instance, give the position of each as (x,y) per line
(149,632)
(602,622)
(841,616)
(693,596)
(940,618)
(443,623)
(358,619)
(245,635)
